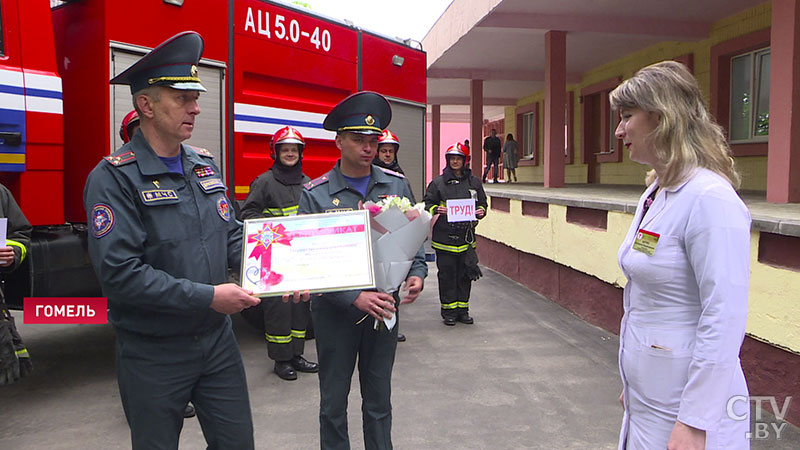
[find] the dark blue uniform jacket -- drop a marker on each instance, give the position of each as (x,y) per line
(159,241)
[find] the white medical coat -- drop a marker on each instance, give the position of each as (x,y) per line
(685,316)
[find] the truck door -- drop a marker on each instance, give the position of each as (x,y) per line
(209,130)
(12,92)
(408,123)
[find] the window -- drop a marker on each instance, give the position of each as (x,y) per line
(599,143)
(569,118)
(729,86)
(528,146)
(528,133)
(749,101)
(613,120)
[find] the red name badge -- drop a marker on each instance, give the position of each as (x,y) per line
(64,310)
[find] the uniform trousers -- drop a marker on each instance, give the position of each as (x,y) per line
(340,344)
(285,327)
(159,376)
(454,286)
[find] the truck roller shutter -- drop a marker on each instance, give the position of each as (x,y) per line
(209,130)
(408,123)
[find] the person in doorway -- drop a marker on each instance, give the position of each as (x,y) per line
(492,147)
(454,242)
(687,260)
(510,158)
(343,321)
(276,193)
(161,241)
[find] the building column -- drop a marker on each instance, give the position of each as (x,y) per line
(476,126)
(783,160)
(555,97)
(436,144)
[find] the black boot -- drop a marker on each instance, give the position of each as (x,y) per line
(285,370)
(465,318)
(301,365)
(189,411)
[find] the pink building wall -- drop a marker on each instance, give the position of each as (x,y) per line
(450,134)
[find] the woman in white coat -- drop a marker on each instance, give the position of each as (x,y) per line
(686,258)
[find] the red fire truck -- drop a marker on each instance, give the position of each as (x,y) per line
(266,64)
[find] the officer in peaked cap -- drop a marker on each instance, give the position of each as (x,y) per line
(173,64)
(162,241)
(363,112)
(343,321)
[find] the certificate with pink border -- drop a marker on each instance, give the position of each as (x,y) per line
(314,252)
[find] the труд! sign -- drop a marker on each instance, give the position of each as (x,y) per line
(461,210)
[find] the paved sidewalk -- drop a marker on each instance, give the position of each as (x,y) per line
(527,375)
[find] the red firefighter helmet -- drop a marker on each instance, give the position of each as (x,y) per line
(128,122)
(387,137)
(286,135)
(458,149)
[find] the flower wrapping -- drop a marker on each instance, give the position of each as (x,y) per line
(398,229)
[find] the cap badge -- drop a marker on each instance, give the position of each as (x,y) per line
(194,71)
(335,202)
(369,120)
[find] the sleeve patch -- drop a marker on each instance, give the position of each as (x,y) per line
(102,220)
(224,209)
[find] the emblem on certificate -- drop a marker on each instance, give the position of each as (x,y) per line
(314,252)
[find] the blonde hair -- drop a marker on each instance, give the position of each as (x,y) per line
(686,136)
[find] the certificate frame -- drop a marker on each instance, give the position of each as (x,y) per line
(325,252)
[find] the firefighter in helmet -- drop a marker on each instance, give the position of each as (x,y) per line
(454,242)
(388,145)
(128,126)
(276,192)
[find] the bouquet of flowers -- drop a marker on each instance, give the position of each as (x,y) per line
(398,230)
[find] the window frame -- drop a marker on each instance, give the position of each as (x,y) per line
(721,55)
(520,112)
(607,120)
(754,56)
(569,143)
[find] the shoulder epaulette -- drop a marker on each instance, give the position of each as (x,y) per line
(201,151)
(121,159)
(391,172)
(316,182)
